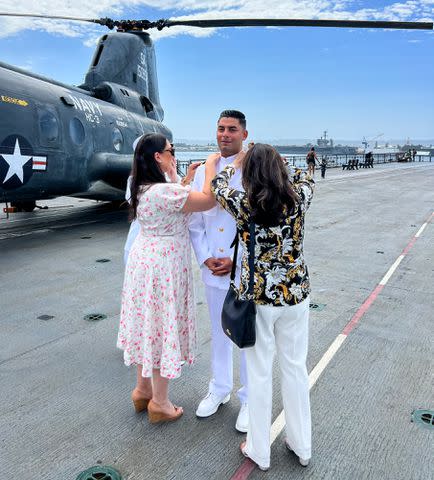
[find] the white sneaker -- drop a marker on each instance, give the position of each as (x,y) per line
(210,404)
(304,462)
(242,424)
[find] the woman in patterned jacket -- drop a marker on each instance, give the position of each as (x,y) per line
(277,205)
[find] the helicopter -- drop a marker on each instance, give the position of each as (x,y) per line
(58,139)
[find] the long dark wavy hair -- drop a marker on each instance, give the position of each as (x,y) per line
(266,182)
(146,170)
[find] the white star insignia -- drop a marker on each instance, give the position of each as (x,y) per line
(16,162)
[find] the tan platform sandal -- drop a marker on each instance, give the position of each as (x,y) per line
(156,415)
(140,403)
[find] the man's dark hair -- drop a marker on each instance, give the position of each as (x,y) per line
(234,114)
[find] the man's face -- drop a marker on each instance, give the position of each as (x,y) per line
(230,136)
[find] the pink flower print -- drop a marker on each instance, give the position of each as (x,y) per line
(147,307)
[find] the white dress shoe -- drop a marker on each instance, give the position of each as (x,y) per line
(242,424)
(304,462)
(210,404)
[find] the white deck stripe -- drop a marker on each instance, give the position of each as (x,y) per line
(389,273)
(421,229)
(325,359)
(279,423)
(277,426)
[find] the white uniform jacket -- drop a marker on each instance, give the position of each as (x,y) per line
(213,231)
(135,225)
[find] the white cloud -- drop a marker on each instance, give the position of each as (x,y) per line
(198,9)
(91,41)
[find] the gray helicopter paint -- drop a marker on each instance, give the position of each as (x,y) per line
(112,63)
(59,140)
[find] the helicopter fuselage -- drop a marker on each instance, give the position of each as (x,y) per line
(57,139)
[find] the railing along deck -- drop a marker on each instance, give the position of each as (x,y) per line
(333,161)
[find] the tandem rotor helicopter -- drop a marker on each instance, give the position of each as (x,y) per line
(57,139)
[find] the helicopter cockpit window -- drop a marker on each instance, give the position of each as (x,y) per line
(76,130)
(97,56)
(118,139)
(146,104)
(48,125)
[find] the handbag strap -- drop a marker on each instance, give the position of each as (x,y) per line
(251,256)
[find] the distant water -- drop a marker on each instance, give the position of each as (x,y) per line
(184,156)
(202,155)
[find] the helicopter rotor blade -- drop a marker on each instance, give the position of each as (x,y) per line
(55,17)
(128,25)
(274,22)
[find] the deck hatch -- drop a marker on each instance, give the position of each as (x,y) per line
(317,306)
(423,417)
(99,472)
(94,317)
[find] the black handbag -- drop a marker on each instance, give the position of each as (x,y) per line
(239,316)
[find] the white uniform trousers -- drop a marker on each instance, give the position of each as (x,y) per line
(221,357)
(284,329)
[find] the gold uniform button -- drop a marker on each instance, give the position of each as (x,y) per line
(221,249)
(221,229)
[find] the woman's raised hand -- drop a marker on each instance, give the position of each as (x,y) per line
(213,159)
(191,172)
(171,171)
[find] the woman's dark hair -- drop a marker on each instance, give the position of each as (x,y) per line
(265,180)
(146,170)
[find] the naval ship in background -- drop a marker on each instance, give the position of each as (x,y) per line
(323,146)
(326,146)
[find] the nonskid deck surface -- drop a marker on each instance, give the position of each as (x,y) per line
(65,394)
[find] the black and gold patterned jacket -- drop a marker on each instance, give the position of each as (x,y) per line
(281,275)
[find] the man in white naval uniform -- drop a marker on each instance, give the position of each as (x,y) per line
(211,234)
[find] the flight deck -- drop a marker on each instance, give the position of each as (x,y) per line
(65,393)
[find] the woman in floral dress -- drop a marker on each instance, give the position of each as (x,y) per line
(157,324)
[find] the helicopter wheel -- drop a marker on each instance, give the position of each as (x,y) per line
(24,206)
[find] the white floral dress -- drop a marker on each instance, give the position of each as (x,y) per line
(157,324)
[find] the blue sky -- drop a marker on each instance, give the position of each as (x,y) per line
(291,83)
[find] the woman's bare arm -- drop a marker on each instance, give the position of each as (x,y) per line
(204,200)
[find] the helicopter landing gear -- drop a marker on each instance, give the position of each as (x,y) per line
(119,204)
(24,206)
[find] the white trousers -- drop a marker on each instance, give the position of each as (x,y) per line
(284,329)
(221,356)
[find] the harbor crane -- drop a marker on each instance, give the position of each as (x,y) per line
(365,142)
